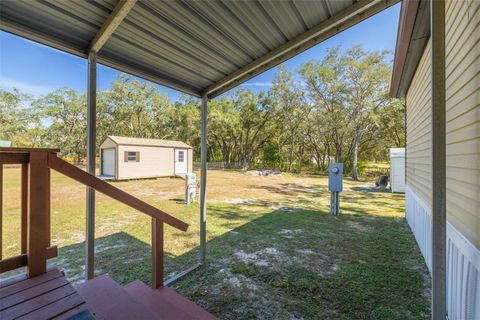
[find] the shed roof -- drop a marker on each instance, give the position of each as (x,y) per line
(198,47)
(148,142)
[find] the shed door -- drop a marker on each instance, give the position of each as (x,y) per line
(398,174)
(108,162)
(180,161)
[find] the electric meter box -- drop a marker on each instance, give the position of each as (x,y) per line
(335,177)
(191,179)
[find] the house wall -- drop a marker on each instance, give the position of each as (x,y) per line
(463,157)
(419,124)
(154,162)
(463,116)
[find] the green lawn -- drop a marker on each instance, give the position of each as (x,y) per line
(273,250)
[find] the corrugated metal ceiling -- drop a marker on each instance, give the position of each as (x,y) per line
(188,45)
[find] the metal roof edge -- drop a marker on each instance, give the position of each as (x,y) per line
(31,35)
(343,20)
(412,37)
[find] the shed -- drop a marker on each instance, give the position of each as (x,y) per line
(124,158)
(397,169)
(5,144)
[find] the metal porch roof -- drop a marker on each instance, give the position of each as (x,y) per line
(198,47)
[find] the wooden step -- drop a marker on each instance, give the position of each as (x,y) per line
(165,303)
(107,300)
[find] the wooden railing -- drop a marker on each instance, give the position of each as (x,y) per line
(35,210)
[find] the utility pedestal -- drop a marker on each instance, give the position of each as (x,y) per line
(190,187)
(335,186)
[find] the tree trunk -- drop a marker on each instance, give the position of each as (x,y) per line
(290,157)
(356,142)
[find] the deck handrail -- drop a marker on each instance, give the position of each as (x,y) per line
(36,249)
(99,185)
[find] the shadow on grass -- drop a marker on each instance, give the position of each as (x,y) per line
(372,189)
(293,189)
(285,264)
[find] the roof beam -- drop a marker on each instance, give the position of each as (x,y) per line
(121,10)
(341,21)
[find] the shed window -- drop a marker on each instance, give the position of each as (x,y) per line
(181,156)
(132,156)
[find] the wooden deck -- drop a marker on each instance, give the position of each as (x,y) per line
(48,296)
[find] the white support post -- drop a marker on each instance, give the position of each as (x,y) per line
(203,183)
(439,275)
(91,157)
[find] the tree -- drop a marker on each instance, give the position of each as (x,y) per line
(367,76)
(138,108)
(240,125)
(333,109)
(14,115)
(291,112)
(327,90)
(67,113)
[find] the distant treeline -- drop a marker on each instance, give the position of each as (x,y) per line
(333,109)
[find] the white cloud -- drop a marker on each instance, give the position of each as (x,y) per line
(32,89)
(257,84)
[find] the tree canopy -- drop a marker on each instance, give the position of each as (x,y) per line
(332,109)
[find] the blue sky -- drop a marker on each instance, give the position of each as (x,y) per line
(38,70)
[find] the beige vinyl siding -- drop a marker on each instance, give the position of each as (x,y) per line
(463,117)
(107,144)
(462,121)
(419,137)
(154,162)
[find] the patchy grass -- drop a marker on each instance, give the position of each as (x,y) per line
(273,250)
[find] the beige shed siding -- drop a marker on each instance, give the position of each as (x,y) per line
(154,162)
(108,143)
(419,137)
(463,117)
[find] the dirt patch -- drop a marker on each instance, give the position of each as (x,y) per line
(359,226)
(240,201)
(289,234)
(255,300)
(103,247)
(304,251)
(262,258)
(265,172)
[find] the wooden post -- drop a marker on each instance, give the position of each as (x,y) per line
(439,221)
(37,213)
(157,253)
(24,208)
